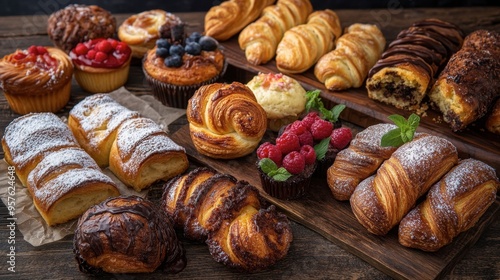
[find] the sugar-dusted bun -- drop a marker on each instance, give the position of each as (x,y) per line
(282,97)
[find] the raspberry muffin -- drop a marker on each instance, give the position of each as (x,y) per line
(179,65)
(37,79)
(282,97)
(101,65)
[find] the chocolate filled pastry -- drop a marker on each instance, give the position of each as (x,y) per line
(470,83)
(229,216)
(407,69)
(127,235)
(453,205)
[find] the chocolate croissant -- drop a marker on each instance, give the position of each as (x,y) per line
(453,205)
(303,45)
(230,17)
(355,53)
(260,39)
(225,120)
(137,150)
(127,235)
(227,214)
(382,200)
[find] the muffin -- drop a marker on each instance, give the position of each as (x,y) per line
(79,23)
(178,65)
(140,31)
(101,65)
(127,234)
(37,79)
(282,97)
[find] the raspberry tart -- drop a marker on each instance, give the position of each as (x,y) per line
(179,64)
(101,65)
(37,79)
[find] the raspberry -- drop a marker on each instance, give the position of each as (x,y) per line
(104,46)
(100,56)
(268,150)
(91,54)
(288,142)
(33,50)
(310,118)
(340,137)
(321,129)
(297,127)
(294,162)
(113,42)
(41,50)
(309,154)
(306,138)
(121,47)
(19,56)
(81,49)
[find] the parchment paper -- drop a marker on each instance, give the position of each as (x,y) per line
(29,222)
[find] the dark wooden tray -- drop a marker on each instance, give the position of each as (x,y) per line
(334,220)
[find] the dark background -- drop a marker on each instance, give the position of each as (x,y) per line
(32,7)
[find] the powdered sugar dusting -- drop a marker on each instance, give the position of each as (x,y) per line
(372,135)
(34,134)
(461,179)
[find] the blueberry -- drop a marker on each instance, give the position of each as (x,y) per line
(163,43)
(176,50)
(193,48)
(208,43)
(173,61)
(162,52)
(194,37)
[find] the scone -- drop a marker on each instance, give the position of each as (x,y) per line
(101,65)
(37,79)
(282,97)
(140,31)
(180,64)
(79,23)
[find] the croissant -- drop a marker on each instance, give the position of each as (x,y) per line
(360,160)
(127,234)
(137,150)
(260,39)
(61,178)
(227,214)
(230,17)
(453,205)
(382,200)
(225,120)
(303,45)
(356,52)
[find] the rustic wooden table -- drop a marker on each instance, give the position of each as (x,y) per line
(311,255)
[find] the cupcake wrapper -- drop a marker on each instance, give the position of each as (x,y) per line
(102,82)
(52,101)
(175,95)
(289,189)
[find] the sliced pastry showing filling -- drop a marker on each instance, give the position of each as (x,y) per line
(407,69)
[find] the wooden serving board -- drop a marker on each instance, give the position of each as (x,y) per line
(475,141)
(334,220)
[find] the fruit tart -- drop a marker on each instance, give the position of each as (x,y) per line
(179,64)
(37,79)
(101,65)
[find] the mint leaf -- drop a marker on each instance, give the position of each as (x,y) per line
(404,133)
(336,110)
(271,169)
(313,101)
(267,165)
(321,148)
(281,175)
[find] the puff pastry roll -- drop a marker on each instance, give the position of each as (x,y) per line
(347,66)
(382,200)
(230,17)
(453,205)
(303,45)
(260,39)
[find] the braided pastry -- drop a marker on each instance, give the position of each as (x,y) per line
(230,17)
(227,215)
(260,39)
(381,201)
(453,205)
(225,120)
(304,44)
(356,52)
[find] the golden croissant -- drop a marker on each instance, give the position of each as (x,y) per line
(230,17)
(304,44)
(382,200)
(227,214)
(453,205)
(225,120)
(260,39)
(356,52)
